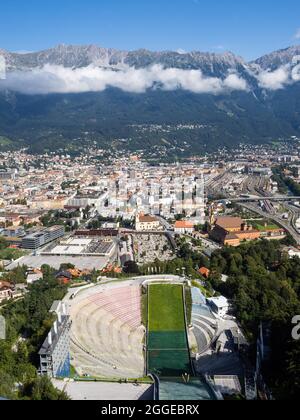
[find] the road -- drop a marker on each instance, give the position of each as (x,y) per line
(295,215)
(166,224)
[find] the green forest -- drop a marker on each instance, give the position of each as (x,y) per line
(27,324)
(264,285)
(55,122)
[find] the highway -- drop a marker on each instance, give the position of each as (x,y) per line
(295,215)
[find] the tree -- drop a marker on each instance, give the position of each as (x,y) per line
(42,389)
(28,322)
(47,270)
(3,243)
(65,267)
(264,285)
(7,385)
(130,267)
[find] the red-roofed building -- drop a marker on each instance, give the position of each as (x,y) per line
(183,227)
(232,231)
(205,272)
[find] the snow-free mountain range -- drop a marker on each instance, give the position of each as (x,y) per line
(51,98)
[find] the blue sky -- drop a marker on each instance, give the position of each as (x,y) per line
(248,28)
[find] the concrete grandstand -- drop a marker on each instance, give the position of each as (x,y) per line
(107,336)
(205,324)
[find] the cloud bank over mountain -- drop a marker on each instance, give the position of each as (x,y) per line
(58,79)
(80,69)
(278,79)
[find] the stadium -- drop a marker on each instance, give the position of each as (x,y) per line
(137,328)
(107,333)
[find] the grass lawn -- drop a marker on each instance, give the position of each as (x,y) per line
(166,311)
(262,228)
(167,346)
(260,225)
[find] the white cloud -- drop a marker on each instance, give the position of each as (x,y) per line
(297,34)
(274,80)
(296,73)
(281,77)
(58,79)
(234,82)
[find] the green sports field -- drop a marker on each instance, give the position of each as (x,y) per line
(168,353)
(166,308)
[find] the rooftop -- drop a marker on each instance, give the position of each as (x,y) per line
(80,262)
(5,285)
(147,219)
(220,301)
(184,224)
(227,222)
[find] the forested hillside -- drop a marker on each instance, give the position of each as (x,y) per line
(51,122)
(264,285)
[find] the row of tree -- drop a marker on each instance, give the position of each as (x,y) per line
(264,285)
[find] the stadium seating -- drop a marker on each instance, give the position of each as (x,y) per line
(107,334)
(204,327)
